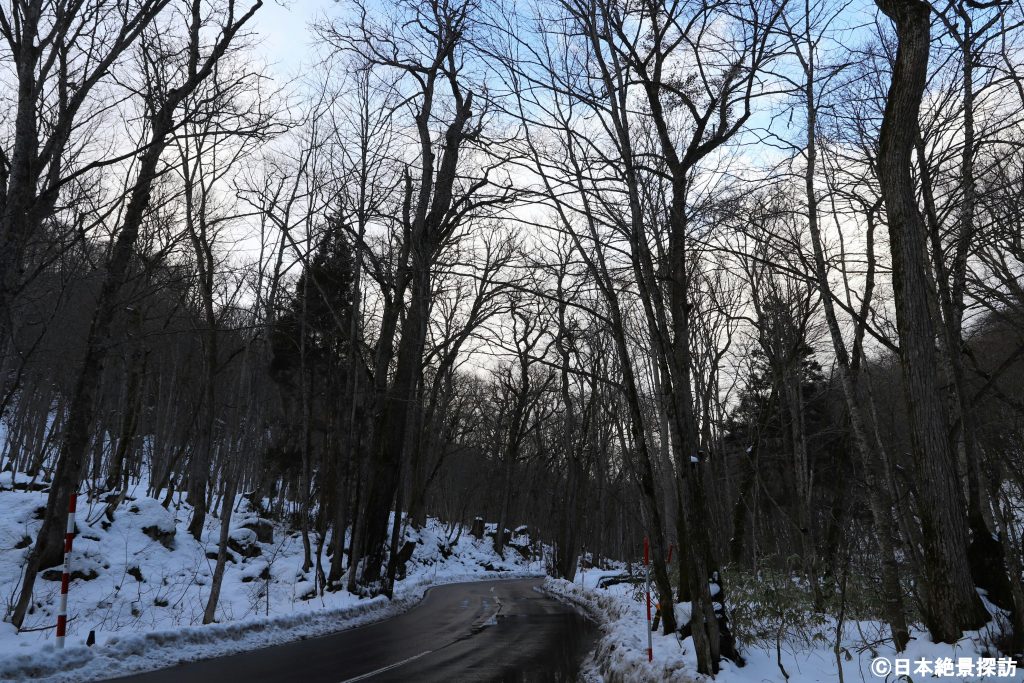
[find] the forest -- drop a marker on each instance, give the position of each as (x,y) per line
(742,277)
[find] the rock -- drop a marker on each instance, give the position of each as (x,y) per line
(264,574)
(243,542)
(211,554)
(305,590)
(161,535)
(523,550)
(154,520)
(56,574)
(263,529)
(30,486)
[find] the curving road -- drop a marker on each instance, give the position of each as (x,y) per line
(486,631)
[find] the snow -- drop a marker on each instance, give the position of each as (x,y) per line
(243,536)
(9,479)
(621,654)
(150,582)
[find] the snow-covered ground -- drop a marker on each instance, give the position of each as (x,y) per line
(141,584)
(621,653)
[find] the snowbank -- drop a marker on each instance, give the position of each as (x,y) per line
(622,649)
(141,583)
(621,653)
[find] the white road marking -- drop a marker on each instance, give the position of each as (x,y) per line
(386,668)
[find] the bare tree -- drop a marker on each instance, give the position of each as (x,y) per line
(162,111)
(806,29)
(428,52)
(950,602)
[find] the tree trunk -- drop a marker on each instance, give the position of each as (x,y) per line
(226,508)
(686,445)
(424,234)
(390,430)
(48,547)
(950,602)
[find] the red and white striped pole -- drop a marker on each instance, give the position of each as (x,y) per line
(65,579)
(647,566)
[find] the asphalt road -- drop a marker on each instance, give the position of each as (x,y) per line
(486,631)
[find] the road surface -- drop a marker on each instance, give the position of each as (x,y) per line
(486,631)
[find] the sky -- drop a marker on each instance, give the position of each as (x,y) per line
(283,34)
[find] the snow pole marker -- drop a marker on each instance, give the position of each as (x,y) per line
(647,566)
(65,579)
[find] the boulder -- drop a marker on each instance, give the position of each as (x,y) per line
(264,575)
(154,520)
(305,590)
(263,529)
(243,542)
(211,554)
(161,535)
